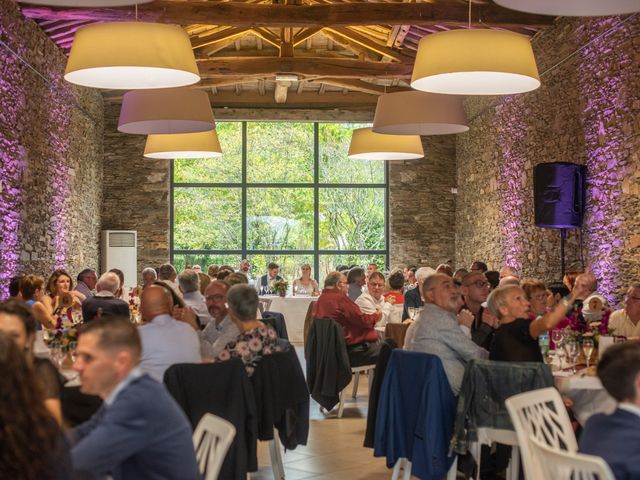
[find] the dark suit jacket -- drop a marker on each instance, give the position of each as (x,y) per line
(411,299)
(615,438)
(109,306)
(264,280)
(142,435)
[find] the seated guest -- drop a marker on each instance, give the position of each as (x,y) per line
(167,274)
(509,281)
(459,274)
(536,293)
(445,268)
(33,446)
(87,279)
(205,280)
(149,276)
(507,271)
(413,298)
(493,277)
(372,300)
(516,339)
(106,302)
(590,284)
(626,322)
(436,331)
(165,340)
(18,323)
(14,287)
(32,289)
(616,437)
(176,301)
(395,294)
(478,266)
(60,295)
(212,271)
(410,281)
(255,338)
(120,275)
(475,290)
(196,268)
(245,268)
(304,284)
(139,432)
(359,333)
(264,284)
(221,330)
(189,285)
(372,267)
(356,279)
(557,290)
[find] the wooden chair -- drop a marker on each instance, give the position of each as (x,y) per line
(397,331)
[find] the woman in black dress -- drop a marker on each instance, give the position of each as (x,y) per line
(516,339)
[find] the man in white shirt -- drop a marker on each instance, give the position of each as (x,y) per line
(165,340)
(626,322)
(372,300)
(189,284)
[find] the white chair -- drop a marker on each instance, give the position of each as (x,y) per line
(488,436)
(542,415)
(368,369)
(561,465)
(405,465)
(211,440)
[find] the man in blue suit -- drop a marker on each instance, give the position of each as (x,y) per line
(139,432)
(616,437)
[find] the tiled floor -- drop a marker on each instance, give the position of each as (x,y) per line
(334,450)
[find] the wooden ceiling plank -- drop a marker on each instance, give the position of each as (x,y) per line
(267,35)
(221,36)
(366,42)
(359,85)
(305,34)
(362,52)
(237,14)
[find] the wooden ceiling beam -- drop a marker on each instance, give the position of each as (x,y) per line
(221,36)
(358,85)
(305,34)
(397,35)
(359,50)
(237,14)
(330,67)
(367,43)
(267,35)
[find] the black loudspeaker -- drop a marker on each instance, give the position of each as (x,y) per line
(559,193)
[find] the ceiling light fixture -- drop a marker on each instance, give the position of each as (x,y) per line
(183,145)
(419,113)
(573,8)
(165,111)
(131,55)
(367,145)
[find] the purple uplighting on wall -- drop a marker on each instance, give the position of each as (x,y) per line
(605,97)
(511,178)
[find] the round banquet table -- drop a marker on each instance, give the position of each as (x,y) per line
(586,392)
(294,310)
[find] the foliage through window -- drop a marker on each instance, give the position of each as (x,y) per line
(283,192)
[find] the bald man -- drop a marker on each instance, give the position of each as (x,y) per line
(165,340)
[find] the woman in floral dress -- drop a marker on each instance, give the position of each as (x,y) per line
(256,339)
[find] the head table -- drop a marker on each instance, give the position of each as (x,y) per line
(294,310)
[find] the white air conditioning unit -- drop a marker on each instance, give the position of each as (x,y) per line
(119,249)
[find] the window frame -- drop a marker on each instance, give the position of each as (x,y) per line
(315,185)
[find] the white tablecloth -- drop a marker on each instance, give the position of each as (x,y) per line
(294,310)
(586,392)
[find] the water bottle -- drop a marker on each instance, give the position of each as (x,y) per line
(543,342)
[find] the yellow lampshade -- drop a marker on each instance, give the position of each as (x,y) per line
(475,62)
(573,8)
(131,55)
(183,145)
(165,111)
(419,113)
(86,3)
(367,145)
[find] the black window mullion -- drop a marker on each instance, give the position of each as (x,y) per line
(244,190)
(316,200)
(171,216)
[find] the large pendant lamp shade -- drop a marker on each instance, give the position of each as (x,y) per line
(475,62)
(573,8)
(86,3)
(166,110)
(367,145)
(131,55)
(419,113)
(183,145)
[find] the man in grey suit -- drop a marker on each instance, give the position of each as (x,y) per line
(436,331)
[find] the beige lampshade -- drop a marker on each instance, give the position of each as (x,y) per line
(131,55)
(183,145)
(573,8)
(86,3)
(166,110)
(419,113)
(367,145)
(475,62)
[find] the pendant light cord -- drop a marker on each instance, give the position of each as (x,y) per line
(469,14)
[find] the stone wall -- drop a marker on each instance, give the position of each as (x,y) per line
(50,156)
(422,205)
(136,192)
(586,112)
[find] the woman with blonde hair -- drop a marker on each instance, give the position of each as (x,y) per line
(305,284)
(60,296)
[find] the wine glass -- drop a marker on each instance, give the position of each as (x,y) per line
(560,353)
(572,351)
(412,312)
(57,355)
(587,348)
(48,334)
(557,336)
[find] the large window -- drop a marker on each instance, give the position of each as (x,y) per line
(283,192)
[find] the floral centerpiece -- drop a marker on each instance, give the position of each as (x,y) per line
(588,320)
(134,304)
(64,336)
(280,287)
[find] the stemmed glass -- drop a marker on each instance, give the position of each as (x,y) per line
(587,348)
(558,338)
(572,350)
(412,312)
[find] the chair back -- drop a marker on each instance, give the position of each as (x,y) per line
(395,313)
(540,414)
(562,465)
(308,320)
(277,322)
(396,331)
(211,440)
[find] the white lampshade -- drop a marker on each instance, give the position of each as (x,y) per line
(367,145)
(166,110)
(419,113)
(475,62)
(573,8)
(183,145)
(86,3)
(131,55)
